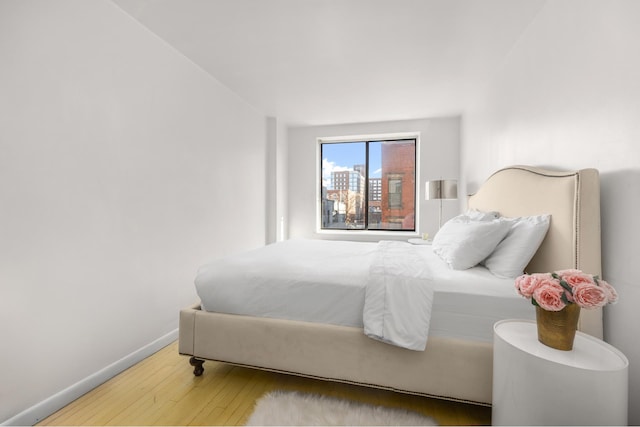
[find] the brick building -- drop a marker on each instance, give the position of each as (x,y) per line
(398,184)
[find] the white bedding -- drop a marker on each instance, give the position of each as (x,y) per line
(326,281)
(312,280)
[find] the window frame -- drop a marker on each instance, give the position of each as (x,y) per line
(364,138)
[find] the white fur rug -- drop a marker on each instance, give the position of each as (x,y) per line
(297,409)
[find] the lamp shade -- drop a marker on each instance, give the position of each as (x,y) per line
(442,189)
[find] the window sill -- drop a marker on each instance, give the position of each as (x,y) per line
(369,235)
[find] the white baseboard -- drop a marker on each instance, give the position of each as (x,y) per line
(42,410)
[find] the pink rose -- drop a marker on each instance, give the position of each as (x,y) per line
(588,295)
(612,295)
(575,277)
(526,284)
(548,295)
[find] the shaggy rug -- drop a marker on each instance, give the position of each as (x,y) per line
(297,409)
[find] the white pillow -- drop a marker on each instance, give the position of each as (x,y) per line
(462,243)
(476,215)
(512,255)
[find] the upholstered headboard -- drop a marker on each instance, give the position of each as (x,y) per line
(573,201)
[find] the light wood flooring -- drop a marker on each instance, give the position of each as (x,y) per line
(162,390)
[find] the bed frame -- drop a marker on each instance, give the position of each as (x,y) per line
(449,368)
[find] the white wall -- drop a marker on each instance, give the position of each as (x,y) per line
(123,167)
(439,158)
(271,180)
(568,97)
(276,183)
(282,183)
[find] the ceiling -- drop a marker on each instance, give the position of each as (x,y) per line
(312,62)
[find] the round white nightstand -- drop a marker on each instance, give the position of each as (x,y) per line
(537,385)
(419,241)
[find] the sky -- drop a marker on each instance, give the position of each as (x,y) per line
(342,156)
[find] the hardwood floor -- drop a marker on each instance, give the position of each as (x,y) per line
(162,390)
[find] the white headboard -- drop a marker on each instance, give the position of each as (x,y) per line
(572,199)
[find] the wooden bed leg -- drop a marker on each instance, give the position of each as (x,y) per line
(197,366)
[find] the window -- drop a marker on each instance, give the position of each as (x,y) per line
(368,185)
(395,192)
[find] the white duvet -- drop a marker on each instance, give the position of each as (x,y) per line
(310,280)
(398,292)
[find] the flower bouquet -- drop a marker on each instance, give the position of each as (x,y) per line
(558,298)
(554,291)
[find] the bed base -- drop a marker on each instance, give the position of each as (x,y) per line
(448,369)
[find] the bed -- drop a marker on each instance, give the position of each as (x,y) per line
(456,364)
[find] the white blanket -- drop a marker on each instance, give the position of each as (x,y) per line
(302,279)
(399,296)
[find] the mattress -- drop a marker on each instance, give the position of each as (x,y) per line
(325,282)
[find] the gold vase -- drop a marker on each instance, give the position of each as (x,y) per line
(557,329)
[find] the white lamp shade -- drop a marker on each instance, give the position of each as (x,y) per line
(442,189)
